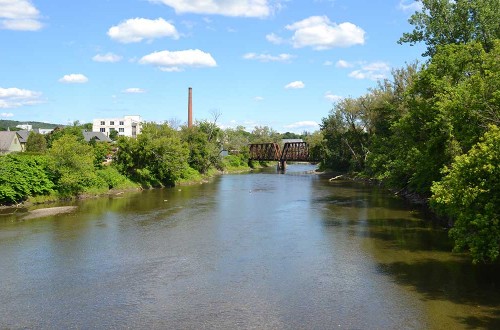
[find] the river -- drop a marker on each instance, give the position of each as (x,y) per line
(256,250)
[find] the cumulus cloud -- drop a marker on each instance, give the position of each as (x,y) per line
(258,98)
(275,39)
(295,85)
(134,90)
(268,58)
(16,97)
(6,114)
(177,60)
(138,29)
(332,97)
(246,8)
(74,78)
(109,57)
(410,5)
(303,125)
(320,33)
(19,15)
(372,71)
(343,64)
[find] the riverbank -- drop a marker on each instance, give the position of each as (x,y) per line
(47,200)
(412,198)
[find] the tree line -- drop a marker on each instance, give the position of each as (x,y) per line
(433,128)
(63,165)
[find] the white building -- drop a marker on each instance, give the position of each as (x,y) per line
(25,127)
(126,126)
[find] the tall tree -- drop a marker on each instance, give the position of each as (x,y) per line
(157,157)
(36,143)
(470,193)
(443,22)
(72,165)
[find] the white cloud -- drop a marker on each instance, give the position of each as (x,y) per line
(6,114)
(175,61)
(74,78)
(258,98)
(320,33)
(332,97)
(109,57)
(303,125)
(410,5)
(372,71)
(134,90)
(268,58)
(274,39)
(245,8)
(343,64)
(138,29)
(295,85)
(19,15)
(16,97)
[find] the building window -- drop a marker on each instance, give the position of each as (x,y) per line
(112,129)
(122,123)
(111,122)
(103,129)
(103,122)
(121,130)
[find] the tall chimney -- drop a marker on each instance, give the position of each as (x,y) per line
(190,107)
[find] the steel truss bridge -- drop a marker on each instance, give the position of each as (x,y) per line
(292,151)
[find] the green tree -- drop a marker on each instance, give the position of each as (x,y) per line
(444,22)
(470,193)
(113,135)
(264,134)
(36,143)
(72,165)
(316,142)
(448,107)
(59,132)
(290,135)
(205,143)
(157,157)
(101,150)
(23,175)
(87,127)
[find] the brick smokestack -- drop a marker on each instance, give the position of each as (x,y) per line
(190,107)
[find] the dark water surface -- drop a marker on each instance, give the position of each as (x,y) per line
(259,250)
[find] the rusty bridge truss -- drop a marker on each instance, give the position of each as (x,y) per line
(292,151)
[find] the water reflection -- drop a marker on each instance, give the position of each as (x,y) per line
(415,253)
(254,250)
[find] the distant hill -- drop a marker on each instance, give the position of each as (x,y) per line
(13,123)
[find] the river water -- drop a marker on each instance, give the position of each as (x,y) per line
(257,250)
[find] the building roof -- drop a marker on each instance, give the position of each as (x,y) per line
(23,135)
(292,140)
(97,135)
(6,138)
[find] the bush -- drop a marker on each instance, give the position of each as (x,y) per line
(72,165)
(235,161)
(470,194)
(23,175)
(113,178)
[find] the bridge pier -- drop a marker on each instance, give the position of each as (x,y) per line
(282,165)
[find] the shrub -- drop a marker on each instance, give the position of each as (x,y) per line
(470,194)
(22,176)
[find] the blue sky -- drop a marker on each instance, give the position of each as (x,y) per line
(280,63)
